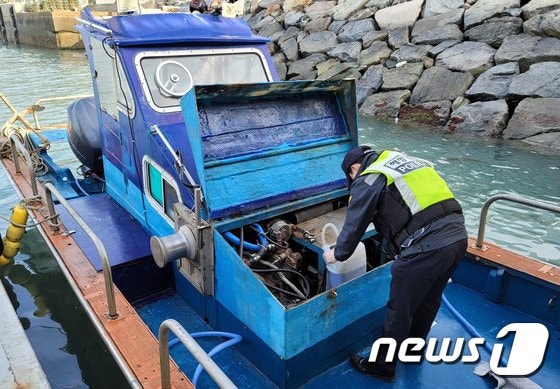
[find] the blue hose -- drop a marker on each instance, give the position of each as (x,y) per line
(234,338)
(246,245)
(469,327)
(80,187)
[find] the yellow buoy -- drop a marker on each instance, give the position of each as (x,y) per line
(14,234)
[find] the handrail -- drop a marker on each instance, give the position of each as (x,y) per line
(194,348)
(515,199)
(49,191)
(16,145)
(39,104)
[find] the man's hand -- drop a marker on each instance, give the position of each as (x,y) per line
(328,256)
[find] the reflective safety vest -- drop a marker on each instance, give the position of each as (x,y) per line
(414,196)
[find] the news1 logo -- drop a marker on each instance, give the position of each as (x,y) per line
(525,357)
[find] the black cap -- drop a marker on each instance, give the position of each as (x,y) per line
(354,156)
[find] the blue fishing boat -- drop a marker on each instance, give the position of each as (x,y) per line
(192,234)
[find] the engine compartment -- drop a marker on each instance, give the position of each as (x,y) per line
(285,252)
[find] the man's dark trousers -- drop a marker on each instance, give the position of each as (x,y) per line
(417,284)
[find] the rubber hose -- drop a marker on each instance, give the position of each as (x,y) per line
(234,338)
(469,327)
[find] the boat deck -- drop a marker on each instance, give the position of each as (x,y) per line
(487,318)
(19,367)
(123,334)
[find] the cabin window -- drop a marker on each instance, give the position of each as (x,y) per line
(156,180)
(161,189)
(112,86)
(165,74)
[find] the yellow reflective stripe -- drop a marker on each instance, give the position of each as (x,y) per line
(407,194)
(428,187)
(377,166)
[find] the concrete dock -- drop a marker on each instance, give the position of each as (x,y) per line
(19,367)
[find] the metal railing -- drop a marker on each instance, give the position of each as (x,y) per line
(16,145)
(49,191)
(515,199)
(194,348)
(39,105)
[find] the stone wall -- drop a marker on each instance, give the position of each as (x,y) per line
(8,31)
(490,67)
(53,30)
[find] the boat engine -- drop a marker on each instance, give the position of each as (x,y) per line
(83,134)
(288,269)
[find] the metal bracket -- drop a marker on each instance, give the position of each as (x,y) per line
(200,271)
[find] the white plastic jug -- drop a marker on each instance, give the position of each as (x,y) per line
(340,272)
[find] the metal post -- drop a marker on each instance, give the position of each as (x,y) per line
(17,145)
(194,348)
(109,288)
(515,199)
(197,206)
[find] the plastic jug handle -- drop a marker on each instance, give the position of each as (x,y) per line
(324,231)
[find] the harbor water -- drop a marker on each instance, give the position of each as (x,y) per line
(475,168)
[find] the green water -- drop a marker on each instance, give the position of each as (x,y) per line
(475,168)
(67,346)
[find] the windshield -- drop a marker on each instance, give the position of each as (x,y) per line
(166,74)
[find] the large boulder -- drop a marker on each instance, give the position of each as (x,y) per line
(538,7)
(337,25)
(409,53)
(377,53)
(527,50)
(541,80)
(374,36)
(270,29)
(427,24)
(290,49)
(384,105)
(441,47)
(280,65)
(494,83)
(437,83)
(547,24)
(550,140)
(486,117)
(306,65)
(439,34)
(336,70)
(402,77)
(474,57)
(317,25)
(486,9)
(398,37)
(293,18)
(433,113)
(318,42)
(345,8)
(493,31)
(354,31)
(533,118)
(347,52)
(403,14)
(319,9)
(370,82)
(437,7)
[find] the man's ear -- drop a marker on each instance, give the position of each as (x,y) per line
(354,170)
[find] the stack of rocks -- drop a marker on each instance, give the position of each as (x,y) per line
(482,66)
